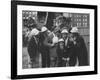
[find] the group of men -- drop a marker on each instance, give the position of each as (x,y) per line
(69,44)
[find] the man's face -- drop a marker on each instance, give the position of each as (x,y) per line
(64,35)
(71,37)
(61,45)
(58,22)
(41,22)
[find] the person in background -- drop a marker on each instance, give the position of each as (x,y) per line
(71,51)
(80,47)
(31,23)
(53,53)
(63,23)
(60,52)
(60,23)
(33,46)
(45,44)
(66,54)
(69,57)
(25,36)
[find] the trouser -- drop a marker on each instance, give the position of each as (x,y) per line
(60,62)
(53,61)
(72,61)
(83,58)
(45,59)
(83,61)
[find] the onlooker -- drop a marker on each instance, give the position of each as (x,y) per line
(33,46)
(45,45)
(60,52)
(81,50)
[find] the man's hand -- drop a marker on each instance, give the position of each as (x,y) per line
(66,59)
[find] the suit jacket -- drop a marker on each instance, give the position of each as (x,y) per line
(82,53)
(33,46)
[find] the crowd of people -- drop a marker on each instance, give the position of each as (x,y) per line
(63,39)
